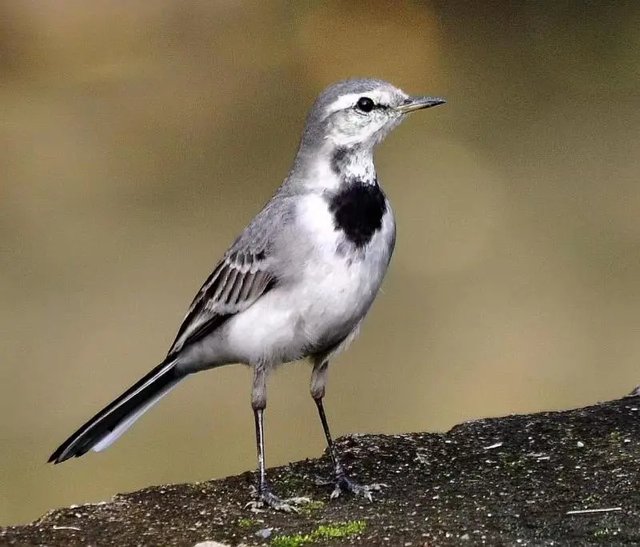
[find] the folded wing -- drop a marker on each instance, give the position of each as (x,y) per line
(237,282)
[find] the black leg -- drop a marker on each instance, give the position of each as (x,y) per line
(262,481)
(265,494)
(341,480)
(337,466)
(259,403)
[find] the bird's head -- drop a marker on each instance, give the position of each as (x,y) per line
(359,113)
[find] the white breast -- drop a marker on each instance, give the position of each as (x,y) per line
(323,297)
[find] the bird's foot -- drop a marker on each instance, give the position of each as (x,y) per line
(343,483)
(266,498)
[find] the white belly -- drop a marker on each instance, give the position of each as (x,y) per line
(326,299)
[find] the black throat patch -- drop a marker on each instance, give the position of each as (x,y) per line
(358,210)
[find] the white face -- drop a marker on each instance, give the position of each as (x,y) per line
(348,123)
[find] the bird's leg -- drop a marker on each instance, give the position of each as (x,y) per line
(259,403)
(341,480)
(263,485)
(266,495)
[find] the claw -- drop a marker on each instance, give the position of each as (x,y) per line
(345,484)
(266,498)
(322,481)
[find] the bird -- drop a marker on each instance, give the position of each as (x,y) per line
(297,282)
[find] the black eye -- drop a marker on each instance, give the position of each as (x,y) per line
(365,104)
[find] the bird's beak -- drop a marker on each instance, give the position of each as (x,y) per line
(418,103)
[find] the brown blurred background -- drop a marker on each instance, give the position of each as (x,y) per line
(139,137)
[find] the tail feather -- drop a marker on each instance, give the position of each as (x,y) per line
(111,422)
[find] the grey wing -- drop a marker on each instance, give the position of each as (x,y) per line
(246,272)
(240,278)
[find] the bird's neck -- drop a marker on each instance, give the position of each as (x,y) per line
(353,165)
(331,169)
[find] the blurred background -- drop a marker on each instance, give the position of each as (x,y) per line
(139,137)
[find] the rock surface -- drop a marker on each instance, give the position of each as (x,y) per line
(557,478)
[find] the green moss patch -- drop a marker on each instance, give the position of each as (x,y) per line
(321,533)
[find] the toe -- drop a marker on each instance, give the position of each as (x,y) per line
(266,498)
(345,484)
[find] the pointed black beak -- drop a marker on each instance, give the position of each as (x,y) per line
(418,103)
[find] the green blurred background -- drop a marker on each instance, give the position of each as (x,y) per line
(139,137)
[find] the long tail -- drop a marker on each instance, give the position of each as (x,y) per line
(111,422)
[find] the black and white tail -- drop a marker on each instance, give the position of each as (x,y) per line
(111,422)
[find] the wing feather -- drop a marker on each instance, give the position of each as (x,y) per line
(237,287)
(236,283)
(220,283)
(245,274)
(247,283)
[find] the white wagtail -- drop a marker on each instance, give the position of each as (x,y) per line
(298,281)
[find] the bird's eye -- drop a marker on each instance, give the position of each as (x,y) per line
(365,104)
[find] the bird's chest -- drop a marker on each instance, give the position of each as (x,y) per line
(353,222)
(357,211)
(348,239)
